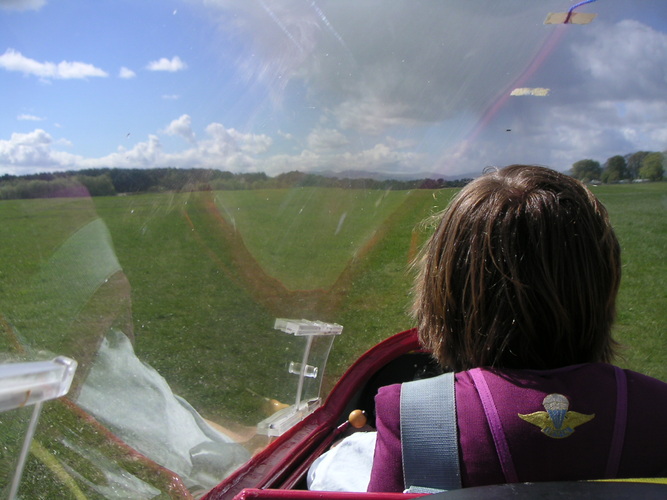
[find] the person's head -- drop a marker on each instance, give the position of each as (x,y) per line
(521,272)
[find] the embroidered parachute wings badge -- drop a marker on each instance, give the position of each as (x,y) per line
(556,422)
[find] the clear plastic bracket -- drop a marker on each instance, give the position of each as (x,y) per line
(32,383)
(278,423)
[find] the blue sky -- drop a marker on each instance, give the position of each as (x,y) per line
(405,86)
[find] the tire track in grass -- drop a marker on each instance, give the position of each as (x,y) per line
(217,237)
(224,245)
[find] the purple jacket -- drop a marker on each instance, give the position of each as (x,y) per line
(549,438)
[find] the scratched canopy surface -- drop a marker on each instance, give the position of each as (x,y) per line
(177,175)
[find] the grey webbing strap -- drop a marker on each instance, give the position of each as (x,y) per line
(429,438)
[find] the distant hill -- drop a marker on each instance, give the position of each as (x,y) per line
(407,176)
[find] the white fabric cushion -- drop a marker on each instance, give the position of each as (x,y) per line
(346,466)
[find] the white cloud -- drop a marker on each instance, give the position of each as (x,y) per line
(27,117)
(146,154)
(281,36)
(21,146)
(22,4)
(400,143)
(222,148)
(230,141)
(172,65)
(32,152)
(609,101)
(182,126)
(326,139)
(560,133)
(285,135)
(13,60)
(374,68)
(381,158)
(254,144)
(372,116)
(633,68)
(126,73)
(371,72)
(612,102)
(440,72)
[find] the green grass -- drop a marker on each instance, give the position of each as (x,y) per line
(207,274)
(192,320)
(31,233)
(639,216)
(378,301)
(306,237)
(372,296)
(206,285)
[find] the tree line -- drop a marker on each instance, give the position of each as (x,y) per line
(114,181)
(642,165)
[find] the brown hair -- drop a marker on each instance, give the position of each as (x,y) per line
(521,272)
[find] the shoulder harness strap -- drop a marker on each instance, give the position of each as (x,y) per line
(493,419)
(618,437)
(429,437)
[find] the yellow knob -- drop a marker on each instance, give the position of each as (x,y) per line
(357,419)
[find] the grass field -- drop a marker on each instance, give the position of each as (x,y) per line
(209,272)
(306,237)
(639,216)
